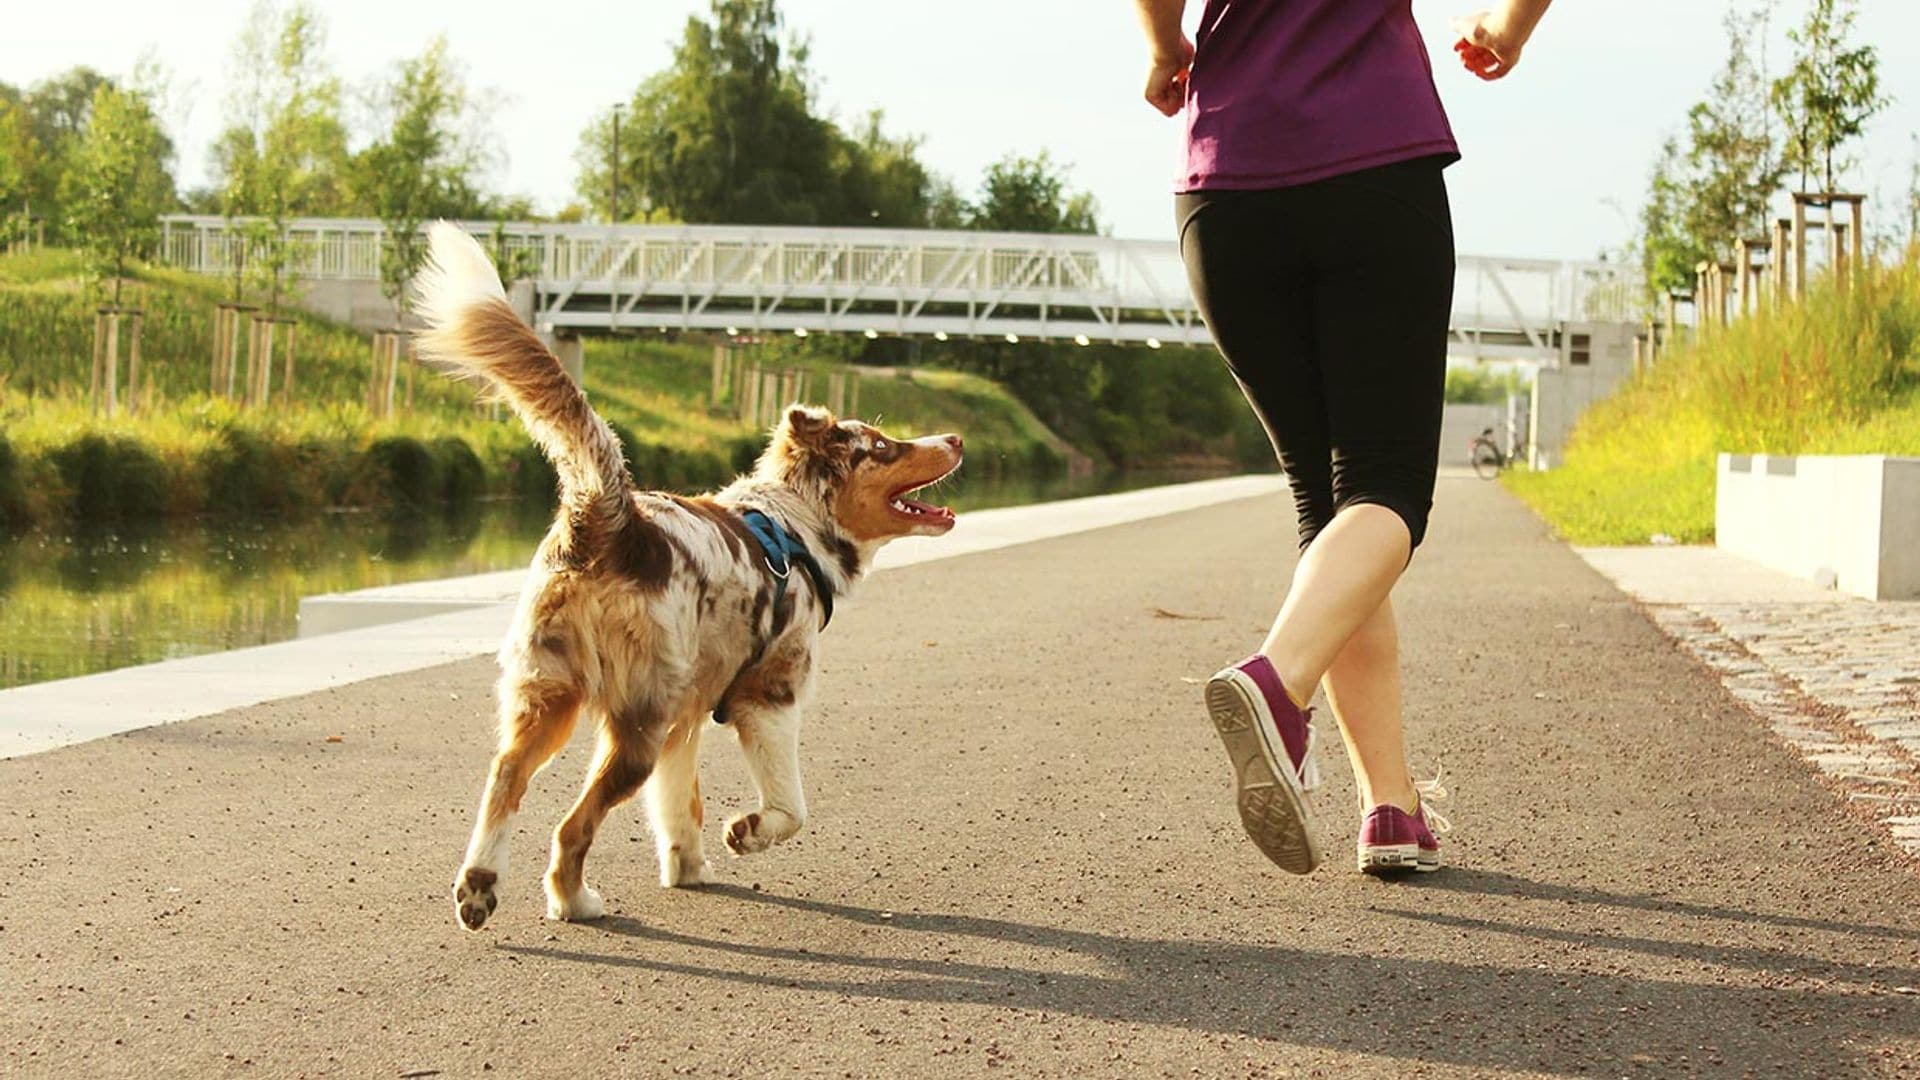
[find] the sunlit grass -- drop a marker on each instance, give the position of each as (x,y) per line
(177,449)
(1837,375)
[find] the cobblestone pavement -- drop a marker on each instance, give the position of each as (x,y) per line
(1839,681)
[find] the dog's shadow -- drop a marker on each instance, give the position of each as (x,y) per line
(1394,1000)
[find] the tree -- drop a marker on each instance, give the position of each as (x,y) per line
(729,133)
(1029,194)
(882,178)
(1734,167)
(1913,193)
(1668,251)
(55,114)
(20,166)
(425,165)
(118,186)
(284,152)
(1830,93)
(1718,189)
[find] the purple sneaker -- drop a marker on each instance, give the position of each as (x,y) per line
(1392,840)
(1270,740)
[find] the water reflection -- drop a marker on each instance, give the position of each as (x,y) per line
(93,600)
(85,601)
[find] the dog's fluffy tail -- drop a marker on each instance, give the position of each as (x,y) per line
(472,330)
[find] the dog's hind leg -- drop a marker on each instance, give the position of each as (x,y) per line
(620,766)
(674,807)
(536,717)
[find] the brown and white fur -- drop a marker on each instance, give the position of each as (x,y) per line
(649,611)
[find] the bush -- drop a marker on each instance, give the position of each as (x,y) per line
(462,476)
(13,489)
(530,475)
(110,478)
(407,471)
(245,474)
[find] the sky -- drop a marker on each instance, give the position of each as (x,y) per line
(1555,160)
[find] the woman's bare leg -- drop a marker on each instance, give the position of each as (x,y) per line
(1363,686)
(1336,624)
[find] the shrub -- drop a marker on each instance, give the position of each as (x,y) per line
(246,474)
(408,471)
(463,478)
(13,489)
(111,478)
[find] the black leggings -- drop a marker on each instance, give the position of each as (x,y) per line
(1330,302)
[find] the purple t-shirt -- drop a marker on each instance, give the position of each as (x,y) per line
(1287,92)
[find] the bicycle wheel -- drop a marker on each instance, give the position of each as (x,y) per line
(1486,460)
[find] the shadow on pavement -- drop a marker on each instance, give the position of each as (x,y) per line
(1494,883)
(1478,1014)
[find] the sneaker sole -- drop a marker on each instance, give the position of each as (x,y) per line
(1382,859)
(1273,808)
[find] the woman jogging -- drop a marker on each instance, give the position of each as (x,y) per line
(1314,223)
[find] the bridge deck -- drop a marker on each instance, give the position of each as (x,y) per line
(902,282)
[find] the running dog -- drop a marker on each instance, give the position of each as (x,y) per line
(652,612)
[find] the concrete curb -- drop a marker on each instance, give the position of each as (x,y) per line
(465,617)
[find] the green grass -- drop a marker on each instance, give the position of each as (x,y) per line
(1836,375)
(183,451)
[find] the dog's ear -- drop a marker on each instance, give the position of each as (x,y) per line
(808,442)
(808,423)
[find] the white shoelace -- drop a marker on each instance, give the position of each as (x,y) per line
(1310,764)
(1433,791)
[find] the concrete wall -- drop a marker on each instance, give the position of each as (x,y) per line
(1562,393)
(1851,523)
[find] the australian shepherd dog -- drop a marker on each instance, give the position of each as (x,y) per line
(653,613)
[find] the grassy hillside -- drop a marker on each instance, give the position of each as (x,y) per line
(185,452)
(1836,375)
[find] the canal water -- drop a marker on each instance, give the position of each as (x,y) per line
(78,602)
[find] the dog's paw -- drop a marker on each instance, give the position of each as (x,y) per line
(758,831)
(582,906)
(473,896)
(682,869)
(679,870)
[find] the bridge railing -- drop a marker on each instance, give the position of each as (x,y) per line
(902,280)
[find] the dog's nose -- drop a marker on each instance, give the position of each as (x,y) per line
(954,441)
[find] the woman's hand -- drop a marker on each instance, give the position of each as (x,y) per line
(1490,41)
(1167,79)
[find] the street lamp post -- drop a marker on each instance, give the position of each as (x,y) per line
(613,207)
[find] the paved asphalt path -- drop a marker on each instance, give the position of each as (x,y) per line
(1023,858)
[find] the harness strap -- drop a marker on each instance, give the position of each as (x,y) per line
(782,550)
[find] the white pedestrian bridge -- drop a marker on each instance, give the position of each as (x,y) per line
(741,279)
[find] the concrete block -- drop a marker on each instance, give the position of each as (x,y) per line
(1853,520)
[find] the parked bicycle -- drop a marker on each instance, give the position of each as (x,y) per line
(1487,457)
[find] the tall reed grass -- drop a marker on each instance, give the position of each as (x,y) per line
(1836,374)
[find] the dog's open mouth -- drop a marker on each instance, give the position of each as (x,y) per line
(915,510)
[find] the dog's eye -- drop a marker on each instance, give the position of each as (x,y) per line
(879,444)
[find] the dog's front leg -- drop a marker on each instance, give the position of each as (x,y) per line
(769,734)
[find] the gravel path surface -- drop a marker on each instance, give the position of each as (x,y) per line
(1023,858)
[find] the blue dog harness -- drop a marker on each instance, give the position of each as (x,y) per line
(783,550)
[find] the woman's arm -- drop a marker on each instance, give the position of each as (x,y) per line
(1172,53)
(1491,41)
